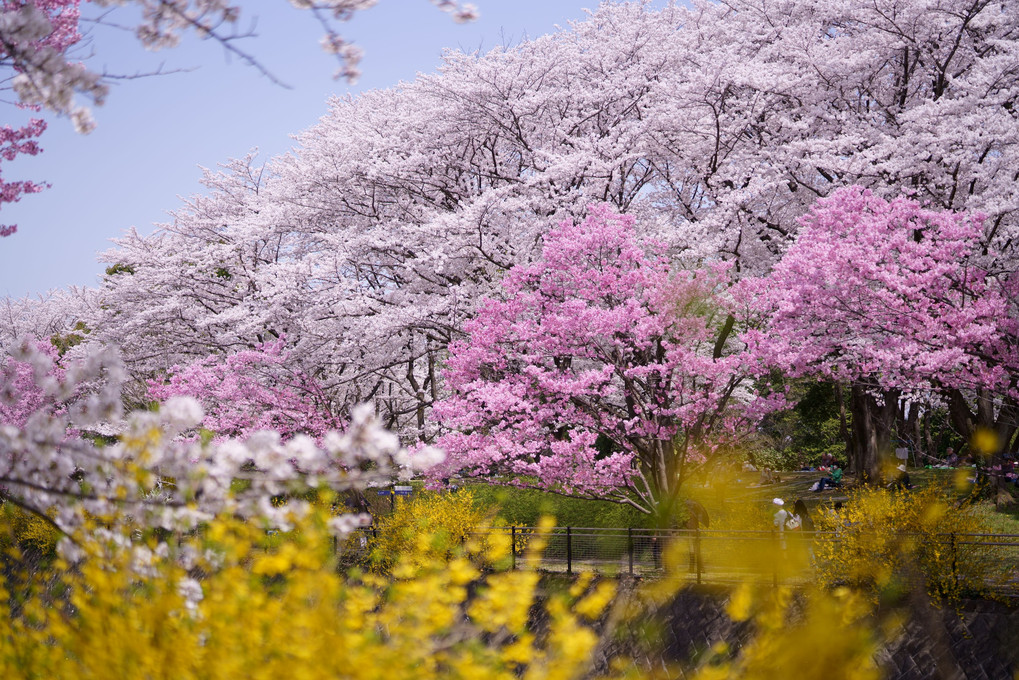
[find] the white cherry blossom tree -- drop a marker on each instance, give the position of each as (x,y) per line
(715,126)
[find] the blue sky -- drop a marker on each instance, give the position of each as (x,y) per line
(154,132)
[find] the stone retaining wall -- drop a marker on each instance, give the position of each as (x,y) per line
(982,637)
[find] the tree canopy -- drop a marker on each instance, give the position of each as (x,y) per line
(715,126)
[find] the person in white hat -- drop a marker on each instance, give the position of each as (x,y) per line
(781,516)
(901,481)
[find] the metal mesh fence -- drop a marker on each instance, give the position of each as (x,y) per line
(991,560)
(987,560)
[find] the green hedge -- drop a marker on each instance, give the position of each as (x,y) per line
(523,507)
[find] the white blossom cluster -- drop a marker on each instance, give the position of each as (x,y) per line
(164,21)
(45,78)
(152,477)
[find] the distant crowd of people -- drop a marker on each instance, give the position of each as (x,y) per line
(833,472)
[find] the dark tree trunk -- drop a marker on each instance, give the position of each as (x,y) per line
(872,427)
(844,432)
(930,446)
(989,413)
(907,427)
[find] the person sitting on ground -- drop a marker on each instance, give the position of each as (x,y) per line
(831,481)
(769,477)
(951,457)
(901,482)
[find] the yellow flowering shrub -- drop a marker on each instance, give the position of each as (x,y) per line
(881,538)
(22,528)
(221,606)
(222,603)
(428,525)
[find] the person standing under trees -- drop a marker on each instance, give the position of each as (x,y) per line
(696,517)
(804,527)
(800,512)
(781,517)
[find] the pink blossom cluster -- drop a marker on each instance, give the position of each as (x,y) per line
(249,391)
(889,293)
(28,381)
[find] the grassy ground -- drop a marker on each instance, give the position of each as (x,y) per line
(524,507)
(735,503)
(1000,520)
(796,485)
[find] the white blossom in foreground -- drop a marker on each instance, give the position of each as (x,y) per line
(151,476)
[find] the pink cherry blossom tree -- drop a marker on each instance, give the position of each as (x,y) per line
(249,391)
(598,372)
(899,301)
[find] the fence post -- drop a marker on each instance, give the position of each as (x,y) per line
(569,550)
(513,546)
(697,550)
(629,547)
